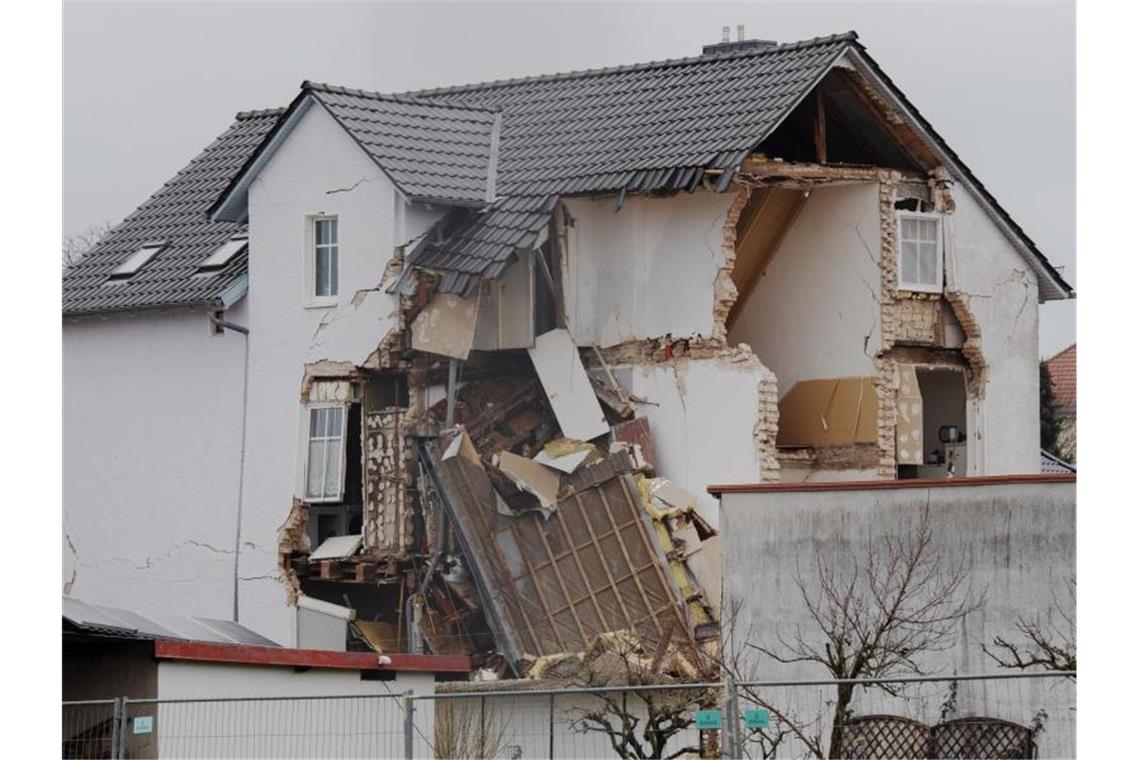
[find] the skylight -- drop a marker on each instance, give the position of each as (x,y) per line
(132,265)
(223,254)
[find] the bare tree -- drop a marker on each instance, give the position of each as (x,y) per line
(877,616)
(77,245)
(1052,646)
(639,724)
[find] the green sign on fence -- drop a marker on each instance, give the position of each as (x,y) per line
(755,718)
(708,720)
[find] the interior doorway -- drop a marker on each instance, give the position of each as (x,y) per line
(944,433)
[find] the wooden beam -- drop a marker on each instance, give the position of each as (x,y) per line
(820,127)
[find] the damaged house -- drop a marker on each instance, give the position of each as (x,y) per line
(452,370)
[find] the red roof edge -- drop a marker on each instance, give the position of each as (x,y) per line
(877,485)
(252,654)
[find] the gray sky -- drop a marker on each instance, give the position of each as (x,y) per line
(146,86)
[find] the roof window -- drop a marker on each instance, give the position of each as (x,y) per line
(224,254)
(137,260)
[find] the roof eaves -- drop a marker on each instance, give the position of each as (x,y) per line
(868,67)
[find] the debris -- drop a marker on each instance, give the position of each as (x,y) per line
(446,326)
(636,432)
(567,386)
(530,476)
(337,547)
(704,564)
(566,455)
(673,495)
(381,636)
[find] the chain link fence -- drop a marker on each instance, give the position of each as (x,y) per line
(1017,715)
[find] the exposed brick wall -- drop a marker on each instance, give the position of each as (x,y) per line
(724,289)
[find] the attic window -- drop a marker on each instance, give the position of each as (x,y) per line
(224,254)
(137,260)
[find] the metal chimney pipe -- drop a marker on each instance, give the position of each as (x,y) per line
(724,31)
(740,32)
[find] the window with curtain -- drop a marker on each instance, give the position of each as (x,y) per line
(324,471)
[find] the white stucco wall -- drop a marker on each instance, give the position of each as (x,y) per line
(702,414)
(151,446)
(317,170)
(982,263)
(365,721)
(815,312)
(644,271)
(1017,543)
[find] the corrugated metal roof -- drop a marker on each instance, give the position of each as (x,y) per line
(174,215)
(98,620)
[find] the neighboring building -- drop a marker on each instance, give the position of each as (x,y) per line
(1063,376)
(756,264)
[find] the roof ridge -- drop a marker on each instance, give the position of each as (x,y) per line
(404,98)
(1072,347)
(850,36)
(259,113)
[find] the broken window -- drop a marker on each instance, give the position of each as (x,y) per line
(324,469)
(324,254)
(920,252)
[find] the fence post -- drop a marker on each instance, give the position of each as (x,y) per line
(732,718)
(551,726)
(409,725)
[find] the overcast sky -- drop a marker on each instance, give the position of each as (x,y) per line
(147,86)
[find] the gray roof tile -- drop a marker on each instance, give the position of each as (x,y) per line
(176,215)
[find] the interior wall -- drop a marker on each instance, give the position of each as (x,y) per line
(645,271)
(814,313)
(943,403)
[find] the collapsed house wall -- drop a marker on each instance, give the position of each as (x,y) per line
(814,313)
(317,170)
(152,446)
(996,292)
(645,271)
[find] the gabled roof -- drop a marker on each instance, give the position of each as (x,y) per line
(433,152)
(176,216)
(1063,376)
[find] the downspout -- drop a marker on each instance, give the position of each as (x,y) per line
(227,325)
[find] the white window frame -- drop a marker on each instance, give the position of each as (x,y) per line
(135,262)
(311,299)
(224,254)
(324,497)
(920,287)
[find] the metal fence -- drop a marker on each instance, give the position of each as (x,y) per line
(1006,716)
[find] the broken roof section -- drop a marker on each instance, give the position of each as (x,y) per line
(175,217)
(433,152)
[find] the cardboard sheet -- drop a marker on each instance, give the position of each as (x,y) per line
(829,412)
(567,386)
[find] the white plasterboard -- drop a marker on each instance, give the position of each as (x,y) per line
(531,477)
(327,608)
(672,494)
(568,463)
(567,387)
(337,547)
(446,326)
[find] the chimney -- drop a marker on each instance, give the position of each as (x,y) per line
(726,45)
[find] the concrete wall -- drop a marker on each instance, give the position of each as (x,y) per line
(1017,542)
(151,447)
(702,415)
(318,169)
(815,312)
(645,271)
(1002,296)
(365,720)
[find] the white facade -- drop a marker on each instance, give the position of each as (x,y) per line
(151,453)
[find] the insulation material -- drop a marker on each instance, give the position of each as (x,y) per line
(829,412)
(908,425)
(446,326)
(680,574)
(552,585)
(566,455)
(337,547)
(705,566)
(567,386)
